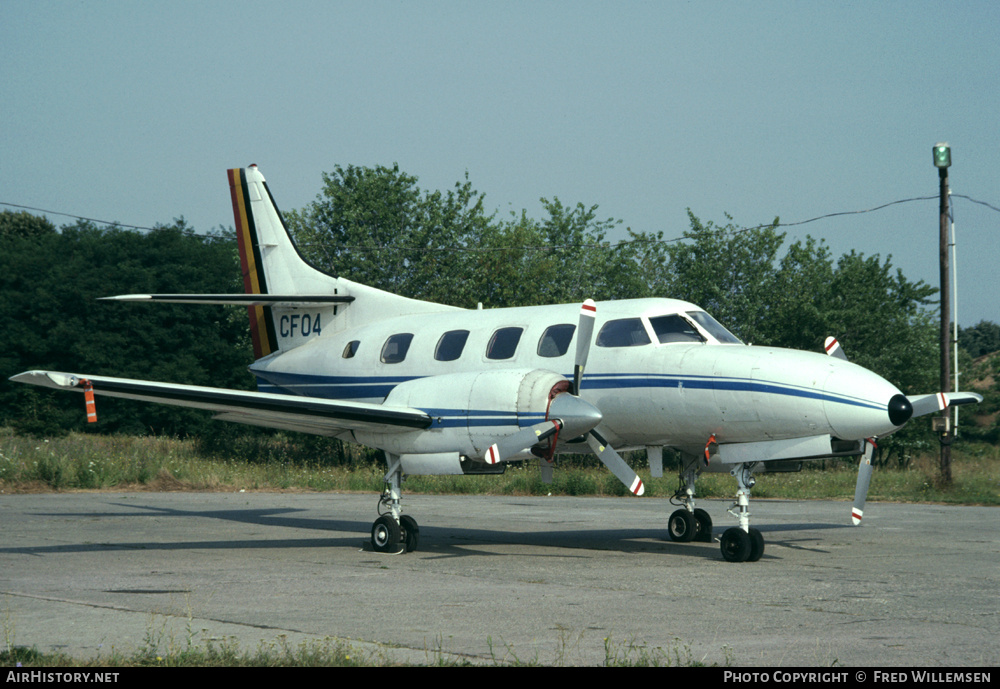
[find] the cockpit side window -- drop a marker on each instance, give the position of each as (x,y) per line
(624,332)
(351,349)
(503,344)
(555,340)
(714,328)
(451,344)
(675,328)
(395,348)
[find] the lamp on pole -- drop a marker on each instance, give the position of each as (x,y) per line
(942,161)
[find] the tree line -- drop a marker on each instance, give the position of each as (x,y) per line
(375,225)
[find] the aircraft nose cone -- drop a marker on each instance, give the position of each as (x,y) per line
(900,410)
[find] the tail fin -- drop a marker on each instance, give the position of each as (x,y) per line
(272,265)
(304,300)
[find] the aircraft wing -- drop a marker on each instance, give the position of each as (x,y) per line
(291,412)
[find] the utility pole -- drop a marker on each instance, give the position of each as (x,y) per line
(942,161)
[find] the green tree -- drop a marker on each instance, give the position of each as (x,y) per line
(561,258)
(377,227)
(24,225)
(982,338)
(50,284)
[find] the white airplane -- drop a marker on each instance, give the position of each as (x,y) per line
(444,390)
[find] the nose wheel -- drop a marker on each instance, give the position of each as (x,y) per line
(742,546)
(742,543)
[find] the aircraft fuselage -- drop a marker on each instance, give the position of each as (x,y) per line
(650,393)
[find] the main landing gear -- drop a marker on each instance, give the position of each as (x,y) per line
(394,532)
(739,543)
(688,523)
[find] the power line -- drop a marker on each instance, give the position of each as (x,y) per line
(546,247)
(191,233)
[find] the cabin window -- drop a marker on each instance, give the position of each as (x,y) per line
(451,344)
(395,348)
(625,332)
(503,344)
(555,340)
(351,349)
(714,328)
(675,329)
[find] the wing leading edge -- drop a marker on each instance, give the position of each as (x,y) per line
(309,414)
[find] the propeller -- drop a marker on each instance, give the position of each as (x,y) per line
(901,409)
(572,415)
(584,334)
(512,445)
(899,413)
(609,458)
(834,349)
(864,478)
(615,464)
(938,401)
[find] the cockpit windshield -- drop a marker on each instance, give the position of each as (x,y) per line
(675,328)
(714,328)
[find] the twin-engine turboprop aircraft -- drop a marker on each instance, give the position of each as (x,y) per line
(443,390)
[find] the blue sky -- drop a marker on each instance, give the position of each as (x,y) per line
(132,111)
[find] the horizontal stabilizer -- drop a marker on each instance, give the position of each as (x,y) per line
(308,414)
(290,300)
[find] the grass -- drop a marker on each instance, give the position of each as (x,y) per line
(82,461)
(337,653)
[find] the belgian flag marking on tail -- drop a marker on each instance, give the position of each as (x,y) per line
(254,281)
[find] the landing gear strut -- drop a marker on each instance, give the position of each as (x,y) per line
(688,523)
(742,543)
(393,531)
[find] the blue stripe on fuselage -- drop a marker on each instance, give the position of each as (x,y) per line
(378,387)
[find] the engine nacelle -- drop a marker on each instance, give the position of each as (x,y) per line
(470,410)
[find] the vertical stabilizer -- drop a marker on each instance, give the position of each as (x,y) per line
(272,265)
(315,301)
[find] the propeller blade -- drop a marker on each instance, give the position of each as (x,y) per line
(864,478)
(833,348)
(929,404)
(568,413)
(613,461)
(584,333)
(512,445)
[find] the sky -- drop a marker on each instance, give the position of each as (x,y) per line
(133,111)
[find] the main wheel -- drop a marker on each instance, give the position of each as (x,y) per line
(704,532)
(411,532)
(756,545)
(682,526)
(735,544)
(385,535)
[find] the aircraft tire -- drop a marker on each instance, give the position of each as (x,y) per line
(682,526)
(756,545)
(704,532)
(385,535)
(410,532)
(736,544)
